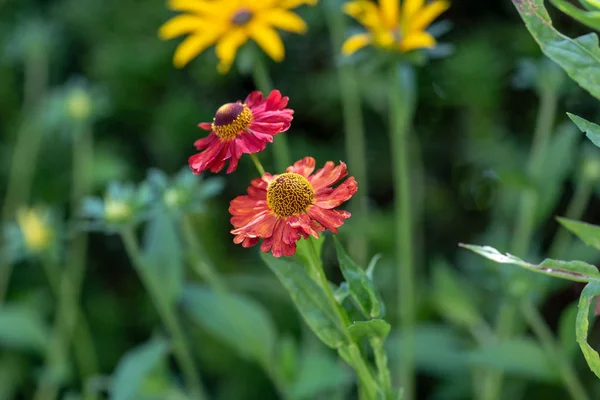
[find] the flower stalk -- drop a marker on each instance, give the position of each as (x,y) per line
(263,83)
(167,315)
(402,107)
(355,135)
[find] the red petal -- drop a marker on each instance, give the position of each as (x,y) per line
(304,167)
(282,241)
(330,198)
(206,141)
(207,126)
(330,219)
(306,224)
(327,176)
(253,99)
(274,100)
(249,143)
(268,127)
(209,158)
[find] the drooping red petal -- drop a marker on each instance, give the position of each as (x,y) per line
(304,167)
(267,127)
(209,158)
(306,225)
(327,176)
(207,126)
(282,241)
(207,141)
(330,219)
(249,143)
(329,198)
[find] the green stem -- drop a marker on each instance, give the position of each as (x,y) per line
(168,317)
(354,136)
(204,269)
(402,107)
(525,225)
(575,210)
(381,361)
(351,353)
(25,151)
(542,331)
(257,164)
(264,84)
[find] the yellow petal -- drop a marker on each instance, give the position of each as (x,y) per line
(289,4)
(228,46)
(427,15)
(355,43)
(417,40)
(192,46)
(196,6)
(410,8)
(181,25)
(389,12)
(365,12)
(285,20)
(268,39)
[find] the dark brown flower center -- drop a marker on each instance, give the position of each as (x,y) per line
(231,119)
(289,194)
(241,17)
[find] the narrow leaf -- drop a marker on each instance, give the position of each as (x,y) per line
(580,57)
(22,328)
(362,288)
(310,299)
(588,233)
(588,294)
(163,253)
(239,321)
(591,130)
(589,18)
(577,271)
(135,367)
(375,328)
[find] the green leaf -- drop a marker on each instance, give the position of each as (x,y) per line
(580,57)
(304,251)
(589,18)
(520,357)
(588,294)
(317,373)
(311,301)
(577,271)
(135,367)
(163,254)
(451,299)
(23,328)
(362,288)
(375,328)
(239,321)
(588,233)
(591,130)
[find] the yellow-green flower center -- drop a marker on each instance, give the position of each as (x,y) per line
(241,17)
(231,119)
(289,194)
(116,211)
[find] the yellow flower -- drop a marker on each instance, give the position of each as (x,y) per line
(37,234)
(393,28)
(229,24)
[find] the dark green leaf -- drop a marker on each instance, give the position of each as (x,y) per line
(311,301)
(566,329)
(591,130)
(135,367)
(588,294)
(22,328)
(375,328)
(520,357)
(163,254)
(362,288)
(577,271)
(239,321)
(580,57)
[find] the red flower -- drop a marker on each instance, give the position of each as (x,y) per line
(239,128)
(282,208)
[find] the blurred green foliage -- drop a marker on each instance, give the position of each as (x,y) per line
(475,120)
